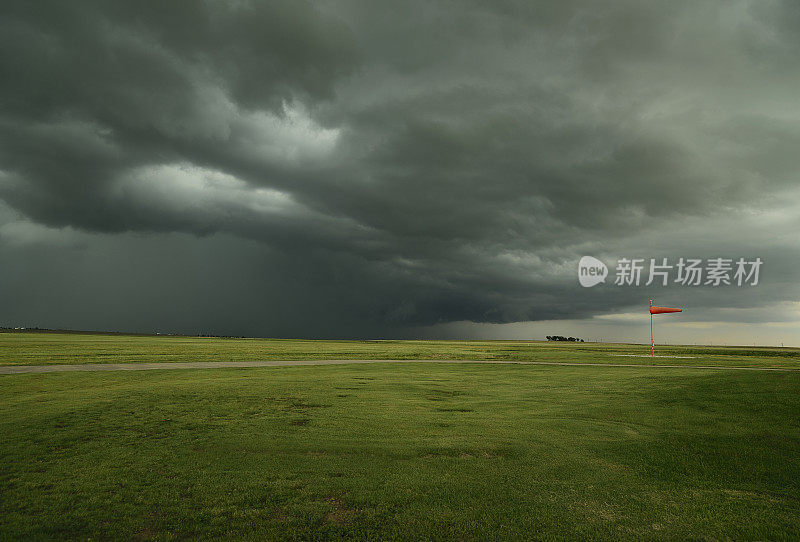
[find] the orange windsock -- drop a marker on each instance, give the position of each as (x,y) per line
(661,310)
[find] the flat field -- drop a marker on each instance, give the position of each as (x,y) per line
(396,451)
(73,348)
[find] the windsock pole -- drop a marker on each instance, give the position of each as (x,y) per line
(657,310)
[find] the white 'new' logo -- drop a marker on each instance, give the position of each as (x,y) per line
(591,271)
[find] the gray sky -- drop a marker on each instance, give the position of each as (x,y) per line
(397,169)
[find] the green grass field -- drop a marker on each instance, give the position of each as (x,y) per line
(396,451)
(65,348)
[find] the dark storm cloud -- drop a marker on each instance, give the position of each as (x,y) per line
(395,164)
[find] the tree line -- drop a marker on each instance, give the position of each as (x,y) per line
(562,338)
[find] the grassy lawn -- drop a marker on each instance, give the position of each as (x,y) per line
(408,451)
(62,348)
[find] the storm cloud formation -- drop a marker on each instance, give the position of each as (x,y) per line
(357,169)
